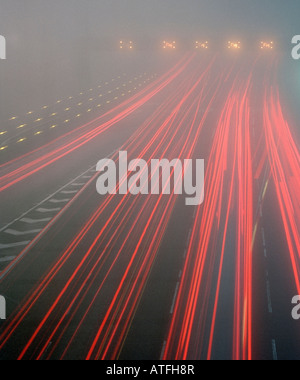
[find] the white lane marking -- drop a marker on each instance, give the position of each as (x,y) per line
(274,350)
(22,233)
(195,213)
(14,245)
(78,184)
(34,208)
(7,259)
(59,200)
(163,350)
(270,307)
(175,298)
(265,253)
(263,236)
(30,244)
(185,253)
(44,210)
(187,244)
(66,192)
(33,221)
(261,211)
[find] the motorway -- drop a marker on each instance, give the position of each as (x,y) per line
(147,277)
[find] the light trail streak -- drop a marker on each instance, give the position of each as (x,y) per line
(103,327)
(191,313)
(284,159)
(63,260)
(104,267)
(151,253)
(242,348)
(34,165)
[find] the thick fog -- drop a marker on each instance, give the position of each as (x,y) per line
(60,46)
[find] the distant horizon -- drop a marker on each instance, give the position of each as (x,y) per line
(63,23)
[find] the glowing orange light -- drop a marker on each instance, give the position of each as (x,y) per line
(201,45)
(267,45)
(124,45)
(234,45)
(169,45)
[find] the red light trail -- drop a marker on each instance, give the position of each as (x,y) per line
(80,137)
(91,291)
(284,159)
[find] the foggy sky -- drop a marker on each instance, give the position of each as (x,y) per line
(62,22)
(56,47)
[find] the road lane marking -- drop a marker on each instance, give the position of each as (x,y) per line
(33,221)
(263,236)
(163,350)
(59,200)
(195,213)
(14,245)
(44,210)
(22,233)
(265,190)
(174,298)
(78,184)
(69,192)
(7,259)
(274,350)
(185,253)
(254,235)
(60,100)
(270,307)
(31,243)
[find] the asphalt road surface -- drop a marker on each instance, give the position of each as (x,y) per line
(147,277)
